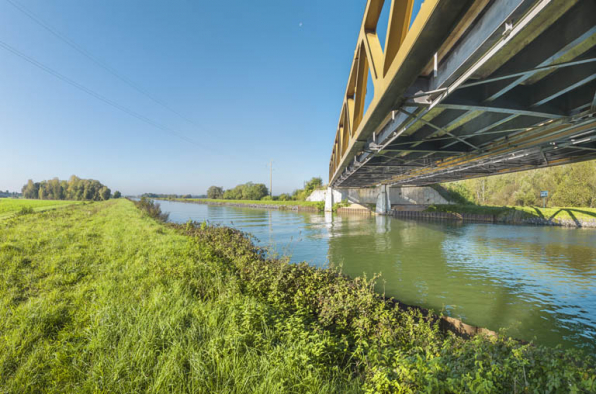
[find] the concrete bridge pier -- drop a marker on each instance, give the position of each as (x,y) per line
(329,200)
(383,206)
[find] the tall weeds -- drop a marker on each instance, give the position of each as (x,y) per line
(152,209)
(390,349)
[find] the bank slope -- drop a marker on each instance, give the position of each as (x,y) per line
(100,297)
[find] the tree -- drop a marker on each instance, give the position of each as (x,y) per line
(314,183)
(254,191)
(104,193)
(30,190)
(117,194)
(215,192)
(74,189)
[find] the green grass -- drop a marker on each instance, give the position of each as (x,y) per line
(313,204)
(520,212)
(102,298)
(99,298)
(9,206)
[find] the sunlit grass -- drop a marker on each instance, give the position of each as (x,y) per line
(524,212)
(99,298)
(102,298)
(9,206)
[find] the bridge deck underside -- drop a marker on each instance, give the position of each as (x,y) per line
(528,105)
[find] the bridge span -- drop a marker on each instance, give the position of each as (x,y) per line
(467,88)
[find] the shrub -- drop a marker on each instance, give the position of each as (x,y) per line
(25,211)
(392,348)
(152,209)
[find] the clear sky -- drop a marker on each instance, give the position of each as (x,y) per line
(253,80)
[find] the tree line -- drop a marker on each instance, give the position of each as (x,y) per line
(571,185)
(163,196)
(258,191)
(73,189)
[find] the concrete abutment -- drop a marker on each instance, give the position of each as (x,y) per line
(383,197)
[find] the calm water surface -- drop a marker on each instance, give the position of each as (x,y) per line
(538,283)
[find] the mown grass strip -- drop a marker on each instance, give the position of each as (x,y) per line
(10,206)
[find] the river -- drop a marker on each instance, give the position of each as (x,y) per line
(537,283)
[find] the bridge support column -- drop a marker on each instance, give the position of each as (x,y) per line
(383,201)
(329,200)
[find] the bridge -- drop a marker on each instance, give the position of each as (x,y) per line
(466,88)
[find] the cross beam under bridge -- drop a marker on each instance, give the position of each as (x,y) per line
(469,88)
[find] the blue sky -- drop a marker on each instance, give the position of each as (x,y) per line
(260,80)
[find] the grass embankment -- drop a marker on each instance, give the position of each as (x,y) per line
(311,204)
(519,212)
(9,206)
(103,298)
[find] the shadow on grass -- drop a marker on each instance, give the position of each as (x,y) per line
(539,213)
(577,222)
(593,214)
(554,214)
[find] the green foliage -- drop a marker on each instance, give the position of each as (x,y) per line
(75,189)
(247,191)
(342,204)
(215,192)
(152,209)
(391,349)
(267,198)
(99,298)
(285,197)
(309,187)
(25,211)
(117,194)
(572,185)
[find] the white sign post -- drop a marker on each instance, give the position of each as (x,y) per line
(544,194)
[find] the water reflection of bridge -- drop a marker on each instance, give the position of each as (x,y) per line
(471,88)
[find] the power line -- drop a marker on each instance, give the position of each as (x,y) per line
(94,59)
(95,94)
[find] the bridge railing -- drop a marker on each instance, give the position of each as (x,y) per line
(370,60)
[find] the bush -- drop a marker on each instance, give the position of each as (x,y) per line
(117,194)
(392,348)
(267,198)
(152,209)
(25,211)
(285,197)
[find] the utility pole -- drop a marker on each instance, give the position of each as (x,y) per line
(271,178)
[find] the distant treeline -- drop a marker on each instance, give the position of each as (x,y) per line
(258,191)
(571,185)
(9,194)
(169,196)
(73,189)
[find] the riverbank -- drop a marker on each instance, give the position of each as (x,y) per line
(100,297)
(565,217)
(308,206)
